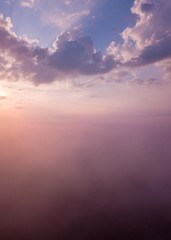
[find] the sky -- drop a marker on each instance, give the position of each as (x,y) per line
(104,55)
(85,143)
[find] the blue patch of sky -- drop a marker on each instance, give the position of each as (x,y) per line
(28,21)
(108,19)
(105,23)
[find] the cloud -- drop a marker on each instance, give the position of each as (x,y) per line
(20,58)
(27,3)
(110,181)
(3,97)
(73,54)
(66,20)
(149,40)
(147,7)
(154,53)
(67,2)
(151,32)
(66,14)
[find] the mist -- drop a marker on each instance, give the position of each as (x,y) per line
(85,177)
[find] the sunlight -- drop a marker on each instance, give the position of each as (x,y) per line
(3,93)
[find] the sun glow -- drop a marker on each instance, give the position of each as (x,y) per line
(3,93)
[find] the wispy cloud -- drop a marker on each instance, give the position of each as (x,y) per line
(28,3)
(65,21)
(3,97)
(66,14)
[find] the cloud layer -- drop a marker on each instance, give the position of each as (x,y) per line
(73,54)
(110,181)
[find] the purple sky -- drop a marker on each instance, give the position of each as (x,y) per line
(85,119)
